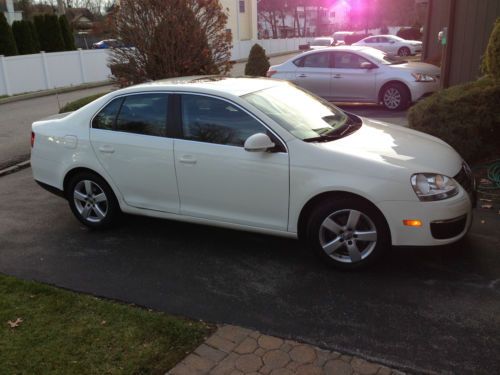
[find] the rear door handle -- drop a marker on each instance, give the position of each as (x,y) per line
(337,76)
(106,149)
(302,75)
(187,159)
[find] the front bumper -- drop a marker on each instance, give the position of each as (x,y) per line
(443,222)
(420,90)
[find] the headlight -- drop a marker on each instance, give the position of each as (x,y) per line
(433,187)
(423,77)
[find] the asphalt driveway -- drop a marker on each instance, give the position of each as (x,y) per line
(429,310)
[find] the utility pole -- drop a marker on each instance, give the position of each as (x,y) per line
(60,8)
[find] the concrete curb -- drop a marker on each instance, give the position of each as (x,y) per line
(271,55)
(62,90)
(15,168)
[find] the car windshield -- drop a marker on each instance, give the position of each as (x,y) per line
(301,113)
(383,58)
(321,42)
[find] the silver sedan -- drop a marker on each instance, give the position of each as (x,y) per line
(361,75)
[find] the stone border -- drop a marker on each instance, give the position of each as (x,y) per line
(15,168)
(233,350)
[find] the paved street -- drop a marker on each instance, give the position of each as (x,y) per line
(431,310)
(16,119)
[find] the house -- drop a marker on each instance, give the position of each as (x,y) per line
(465,28)
(80,19)
(308,20)
(7,8)
(242,19)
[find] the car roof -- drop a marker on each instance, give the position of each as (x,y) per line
(237,86)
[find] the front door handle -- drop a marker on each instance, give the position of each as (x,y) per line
(106,149)
(302,75)
(337,76)
(187,159)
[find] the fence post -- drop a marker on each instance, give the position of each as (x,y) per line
(45,70)
(4,75)
(82,67)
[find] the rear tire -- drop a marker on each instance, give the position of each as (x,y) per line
(348,233)
(92,200)
(395,96)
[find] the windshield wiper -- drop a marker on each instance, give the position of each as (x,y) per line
(323,138)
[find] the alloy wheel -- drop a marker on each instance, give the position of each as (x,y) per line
(90,201)
(392,98)
(348,236)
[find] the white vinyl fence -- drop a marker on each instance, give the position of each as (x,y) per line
(43,71)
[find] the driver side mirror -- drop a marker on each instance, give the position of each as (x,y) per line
(367,65)
(259,142)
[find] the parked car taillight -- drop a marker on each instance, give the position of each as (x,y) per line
(32,139)
(270,73)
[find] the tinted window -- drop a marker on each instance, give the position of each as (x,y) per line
(212,120)
(382,39)
(106,118)
(347,60)
(371,40)
(316,60)
(143,114)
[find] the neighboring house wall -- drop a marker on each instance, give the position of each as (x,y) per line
(471,32)
(469,26)
(242,18)
(7,6)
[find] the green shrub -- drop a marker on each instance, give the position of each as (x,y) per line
(39,23)
(353,38)
(34,37)
(77,104)
(384,30)
(24,37)
(55,41)
(258,62)
(465,116)
(491,62)
(410,33)
(69,40)
(7,42)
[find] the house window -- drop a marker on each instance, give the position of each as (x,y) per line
(332,14)
(242,6)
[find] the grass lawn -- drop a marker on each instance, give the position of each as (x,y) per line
(69,333)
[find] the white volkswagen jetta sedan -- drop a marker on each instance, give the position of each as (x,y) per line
(259,155)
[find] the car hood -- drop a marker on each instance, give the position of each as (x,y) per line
(418,67)
(393,151)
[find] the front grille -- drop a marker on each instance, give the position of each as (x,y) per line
(448,228)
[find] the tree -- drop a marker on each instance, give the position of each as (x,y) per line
(7,42)
(39,23)
(24,37)
(69,40)
(258,62)
(34,37)
(491,60)
(170,39)
(55,41)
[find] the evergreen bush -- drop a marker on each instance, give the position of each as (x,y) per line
(258,62)
(67,34)
(491,62)
(410,33)
(7,42)
(24,37)
(34,37)
(55,41)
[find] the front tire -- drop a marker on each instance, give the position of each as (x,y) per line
(92,201)
(348,233)
(404,51)
(395,97)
